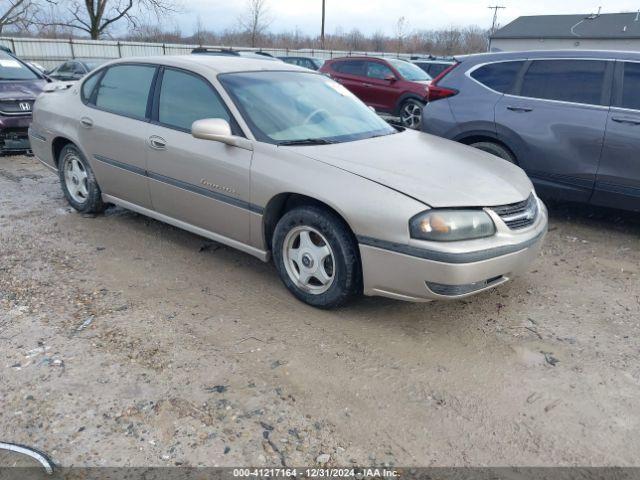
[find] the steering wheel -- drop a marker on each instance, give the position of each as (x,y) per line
(313,114)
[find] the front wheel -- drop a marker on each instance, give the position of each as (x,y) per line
(411,114)
(494,149)
(316,257)
(78,182)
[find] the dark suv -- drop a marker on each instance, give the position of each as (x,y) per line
(19,87)
(570,119)
(389,85)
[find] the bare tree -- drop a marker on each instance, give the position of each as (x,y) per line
(402,25)
(18,13)
(97,17)
(256,20)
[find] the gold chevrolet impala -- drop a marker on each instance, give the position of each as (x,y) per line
(286,164)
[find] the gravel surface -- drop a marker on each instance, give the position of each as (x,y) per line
(127,342)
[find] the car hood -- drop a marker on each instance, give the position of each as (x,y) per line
(435,171)
(21,90)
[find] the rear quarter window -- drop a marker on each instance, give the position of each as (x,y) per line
(498,76)
(89,85)
(124,90)
(350,67)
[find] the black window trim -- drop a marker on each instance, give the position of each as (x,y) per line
(154,101)
(605,92)
(91,102)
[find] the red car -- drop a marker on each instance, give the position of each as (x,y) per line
(389,85)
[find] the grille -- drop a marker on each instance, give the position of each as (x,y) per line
(16,107)
(519,215)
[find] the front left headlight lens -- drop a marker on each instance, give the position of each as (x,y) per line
(451,225)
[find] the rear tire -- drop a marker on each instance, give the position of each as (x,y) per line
(78,181)
(316,257)
(411,113)
(495,149)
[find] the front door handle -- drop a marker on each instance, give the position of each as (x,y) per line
(86,122)
(157,143)
(520,109)
(625,120)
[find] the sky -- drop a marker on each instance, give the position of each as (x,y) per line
(373,15)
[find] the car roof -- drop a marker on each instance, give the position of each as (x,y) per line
(214,63)
(568,54)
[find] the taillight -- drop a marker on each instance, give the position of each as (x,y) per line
(438,93)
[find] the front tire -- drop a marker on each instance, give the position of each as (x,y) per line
(411,113)
(316,257)
(78,181)
(495,149)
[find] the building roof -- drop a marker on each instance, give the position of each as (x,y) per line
(593,26)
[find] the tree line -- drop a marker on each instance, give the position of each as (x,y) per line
(101,18)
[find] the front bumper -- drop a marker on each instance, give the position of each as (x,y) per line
(407,273)
(13,134)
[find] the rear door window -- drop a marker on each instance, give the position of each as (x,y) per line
(576,81)
(498,76)
(185,98)
(124,89)
(630,97)
(350,67)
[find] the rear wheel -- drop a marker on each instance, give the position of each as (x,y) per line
(495,149)
(79,184)
(411,113)
(316,257)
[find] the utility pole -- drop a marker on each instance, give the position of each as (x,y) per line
(495,9)
(322,28)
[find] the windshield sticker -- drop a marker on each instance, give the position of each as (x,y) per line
(9,63)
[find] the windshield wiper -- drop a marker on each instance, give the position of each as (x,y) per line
(306,141)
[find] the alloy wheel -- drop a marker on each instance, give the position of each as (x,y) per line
(75,178)
(411,115)
(308,259)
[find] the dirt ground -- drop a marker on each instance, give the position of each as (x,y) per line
(127,342)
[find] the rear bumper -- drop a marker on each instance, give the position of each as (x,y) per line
(403,275)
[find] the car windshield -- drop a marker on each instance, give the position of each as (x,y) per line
(409,71)
(285,107)
(12,69)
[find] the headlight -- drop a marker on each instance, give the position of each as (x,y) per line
(451,225)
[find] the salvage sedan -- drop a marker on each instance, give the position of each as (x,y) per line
(285,163)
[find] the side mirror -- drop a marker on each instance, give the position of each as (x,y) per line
(218,130)
(390,78)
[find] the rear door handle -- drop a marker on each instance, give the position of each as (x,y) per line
(520,109)
(86,122)
(626,121)
(157,143)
